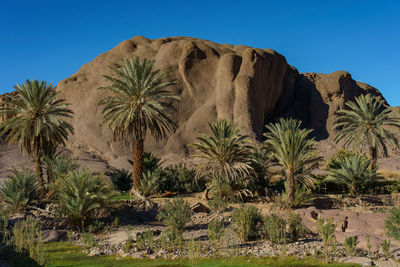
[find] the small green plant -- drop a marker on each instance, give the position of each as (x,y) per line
(27,237)
(4,232)
(217,204)
(96,226)
(194,251)
(145,240)
(386,248)
(326,228)
(369,243)
(392,223)
(150,182)
(20,190)
(274,229)
(88,239)
(296,228)
(350,245)
(121,179)
(129,243)
(70,236)
(302,197)
(81,195)
(215,231)
(246,221)
(59,165)
(175,214)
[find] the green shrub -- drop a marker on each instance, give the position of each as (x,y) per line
(386,248)
(245,222)
(326,228)
(217,204)
(4,232)
(274,229)
(352,171)
(145,240)
(59,165)
(89,239)
(392,223)
(121,179)
(20,190)
(349,245)
(150,182)
(215,231)
(27,237)
(302,197)
(296,228)
(81,194)
(181,179)
(175,215)
(150,162)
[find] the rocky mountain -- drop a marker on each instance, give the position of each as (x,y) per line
(248,85)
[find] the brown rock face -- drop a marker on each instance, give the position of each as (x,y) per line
(247,85)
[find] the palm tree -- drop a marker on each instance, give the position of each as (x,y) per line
(367,122)
(226,155)
(352,171)
(139,104)
(35,120)
(294,152)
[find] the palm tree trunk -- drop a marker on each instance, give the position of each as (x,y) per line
(291,188)
(39,174)
(138,153)
(374,157)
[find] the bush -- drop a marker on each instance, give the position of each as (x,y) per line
(275,229)
(296,228)
(350,245)
(246,221)
(326,230)
(81,194)
(20,190)
(121,179)
(59,165)
(303,197)
(150,182)
(392,223)
(217,204)
(4,232)
(181,179)
(352,171)
(175,215)
(386,248)
(215,231)
(27,237)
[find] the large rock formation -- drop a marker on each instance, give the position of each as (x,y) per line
(247,85)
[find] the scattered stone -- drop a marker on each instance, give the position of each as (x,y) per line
(95,252)
(387,263)
(200,207)
(363,261)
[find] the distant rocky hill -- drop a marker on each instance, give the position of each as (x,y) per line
(248,85)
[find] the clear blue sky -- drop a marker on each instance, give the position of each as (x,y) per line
(51,40)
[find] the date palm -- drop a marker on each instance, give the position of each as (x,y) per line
(35,120)
(294,152)
(352,171)
(367,122)
(139,103)
(225,154)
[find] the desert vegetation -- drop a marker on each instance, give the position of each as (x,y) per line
(238,197)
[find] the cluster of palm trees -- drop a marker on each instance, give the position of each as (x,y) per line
(140,105)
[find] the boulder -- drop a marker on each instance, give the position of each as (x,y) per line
(363,261)
(54,235)
(387,263)
(199,207)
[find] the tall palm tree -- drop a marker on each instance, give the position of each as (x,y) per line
(367,122)
(139,103)
(352,171)
(35,120)
(225,154)
(294,152)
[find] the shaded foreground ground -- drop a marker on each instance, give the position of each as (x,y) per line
(64,254)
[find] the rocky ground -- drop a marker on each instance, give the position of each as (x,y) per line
(365,220)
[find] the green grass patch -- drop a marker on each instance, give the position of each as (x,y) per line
(64,254)
(122,196)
